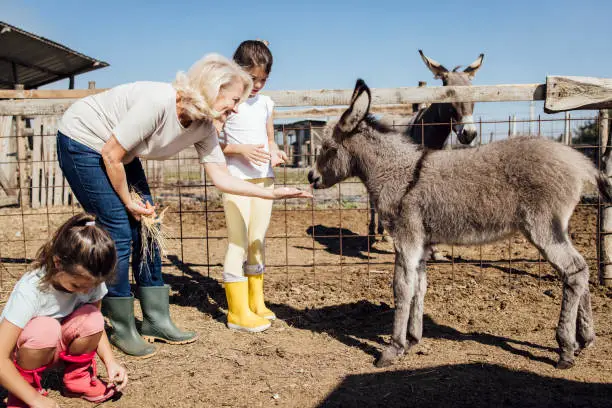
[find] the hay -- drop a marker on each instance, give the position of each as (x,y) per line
(151,232)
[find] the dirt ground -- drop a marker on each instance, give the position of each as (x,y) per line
(489,332)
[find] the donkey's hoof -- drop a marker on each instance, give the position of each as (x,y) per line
(389,354)
(565,364)
(383,362)
(583,346)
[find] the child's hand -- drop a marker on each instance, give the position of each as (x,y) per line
(278,156)
(256,154)
(117,375)
(45,402)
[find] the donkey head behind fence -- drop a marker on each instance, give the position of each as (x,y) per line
(457,114)
(465,197)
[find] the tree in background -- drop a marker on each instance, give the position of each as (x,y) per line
(586,139)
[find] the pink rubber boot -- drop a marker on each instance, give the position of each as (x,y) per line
(80,378)
(32,377)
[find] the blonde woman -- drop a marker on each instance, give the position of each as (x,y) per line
(99,143)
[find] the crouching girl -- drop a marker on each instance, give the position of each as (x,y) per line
(53,314)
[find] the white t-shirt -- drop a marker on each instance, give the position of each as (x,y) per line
(28,301)
(248,126)
(143,118)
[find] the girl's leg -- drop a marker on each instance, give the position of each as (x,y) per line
(261,212)
(36,349)
(82,330)
(81,333)
(39,343)
(259,220)
(237,212)
(239,316)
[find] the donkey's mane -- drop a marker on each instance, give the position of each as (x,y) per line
(371,121)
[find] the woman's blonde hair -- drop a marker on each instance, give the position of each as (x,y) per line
(200,86)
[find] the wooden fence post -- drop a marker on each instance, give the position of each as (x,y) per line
(311,147)
(605,210)
(22,156)
(37,162)
(567,131)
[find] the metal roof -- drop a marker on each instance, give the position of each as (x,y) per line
(34,61)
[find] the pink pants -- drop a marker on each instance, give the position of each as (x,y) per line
(47,332)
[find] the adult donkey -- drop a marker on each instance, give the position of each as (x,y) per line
(464,197)
(432,125)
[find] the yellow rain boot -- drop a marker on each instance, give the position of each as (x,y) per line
(239,316)
(256,298)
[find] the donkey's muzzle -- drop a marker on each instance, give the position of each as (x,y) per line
(314,179)
(466,136)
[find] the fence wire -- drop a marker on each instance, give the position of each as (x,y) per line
(325,238)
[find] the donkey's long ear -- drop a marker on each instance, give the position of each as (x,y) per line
(434,66)
(358,109)
(474,66)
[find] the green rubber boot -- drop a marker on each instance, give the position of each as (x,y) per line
(123,333)
(156,321)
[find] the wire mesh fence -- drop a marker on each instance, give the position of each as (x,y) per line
(326,238)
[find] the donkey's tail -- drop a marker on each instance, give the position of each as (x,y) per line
(605,187)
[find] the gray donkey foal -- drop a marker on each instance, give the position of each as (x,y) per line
(464,197)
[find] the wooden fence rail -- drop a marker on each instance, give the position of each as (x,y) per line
(47,102)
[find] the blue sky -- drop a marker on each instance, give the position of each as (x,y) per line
(328,44)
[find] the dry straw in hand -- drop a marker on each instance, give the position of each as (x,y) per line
(151,232)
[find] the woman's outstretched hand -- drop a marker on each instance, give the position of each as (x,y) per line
(290,192)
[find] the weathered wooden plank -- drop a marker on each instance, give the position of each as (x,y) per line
(49,167)
(10,200)
(337,111)
(48,93)
(7,167)
(58,177)
(22,163)
(6,185)
(409,95)
(33,107)
(36,161)
(605,210)
(565,93)
(67,191)
(331,97)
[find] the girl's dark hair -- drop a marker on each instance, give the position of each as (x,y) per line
(254,53)
(78,242)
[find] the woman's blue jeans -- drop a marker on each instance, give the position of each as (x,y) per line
(84,169)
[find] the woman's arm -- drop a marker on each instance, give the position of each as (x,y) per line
(227,183)
(9,376)
(112,155)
